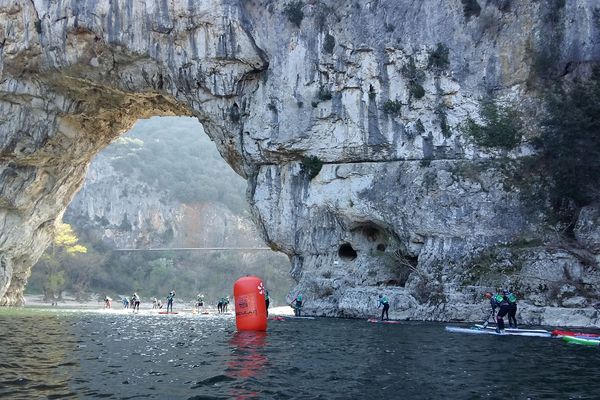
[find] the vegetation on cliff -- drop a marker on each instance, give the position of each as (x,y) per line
(180,159)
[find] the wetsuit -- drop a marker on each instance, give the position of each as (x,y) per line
(383,301)
(200,301)
(220,305)
(135,302)
(267,301)
(512,311)
(502,303)
(170,301)
(298,305)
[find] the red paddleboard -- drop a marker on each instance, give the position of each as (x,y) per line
(276,318)
(166,312)
(558,332)
(385,321)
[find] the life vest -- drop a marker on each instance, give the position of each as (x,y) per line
(384,300)
(500,299)
(299,297)
(512,299)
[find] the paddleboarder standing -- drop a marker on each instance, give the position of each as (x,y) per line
(267,300)
(135,302)
(383,301)
(170,298)
(512,311)
(297,305)
(501,302)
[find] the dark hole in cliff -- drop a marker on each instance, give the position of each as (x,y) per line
(370,230)
(381,247)
(347,252)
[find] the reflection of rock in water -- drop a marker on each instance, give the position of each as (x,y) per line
(248,359)
(36,357)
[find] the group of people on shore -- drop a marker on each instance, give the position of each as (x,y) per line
(134,301)
(505,301)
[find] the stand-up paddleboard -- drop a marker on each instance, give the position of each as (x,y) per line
(276,318)
(385,321)
(481,331)
(585,342)
(515,329)
(294,317)
(167,312)
(584,335)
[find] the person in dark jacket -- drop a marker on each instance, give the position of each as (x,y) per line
(383,301)
(267,301)
(170,298)
(512,311)
(500,301)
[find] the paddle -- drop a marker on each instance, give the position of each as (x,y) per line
(487,319)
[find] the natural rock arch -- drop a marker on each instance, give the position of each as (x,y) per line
(76,76)
(370,106)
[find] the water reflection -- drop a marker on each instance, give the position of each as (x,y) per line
(36,357)
(202,357)
(248,360)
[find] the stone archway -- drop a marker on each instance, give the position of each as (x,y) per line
(350,115)
(75,78)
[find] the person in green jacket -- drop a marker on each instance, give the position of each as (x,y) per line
(512,311)
(383,301)
(297,305)
(267,300)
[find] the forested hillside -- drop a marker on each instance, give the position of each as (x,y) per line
(162,185)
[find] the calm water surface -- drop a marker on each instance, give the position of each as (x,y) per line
(79,355)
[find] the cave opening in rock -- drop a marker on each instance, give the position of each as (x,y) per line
(347,252)
(160,210)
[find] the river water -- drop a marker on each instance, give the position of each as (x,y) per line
(80,355)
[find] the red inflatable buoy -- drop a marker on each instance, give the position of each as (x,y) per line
(250,306)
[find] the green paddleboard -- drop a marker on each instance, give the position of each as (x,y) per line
(585,342)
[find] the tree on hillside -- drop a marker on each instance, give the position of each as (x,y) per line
(52,263)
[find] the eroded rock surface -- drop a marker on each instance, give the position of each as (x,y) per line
(405,203)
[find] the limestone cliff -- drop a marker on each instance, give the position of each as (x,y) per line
(125,212)
(380,93)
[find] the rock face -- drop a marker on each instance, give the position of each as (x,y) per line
(129,213)
(405,202)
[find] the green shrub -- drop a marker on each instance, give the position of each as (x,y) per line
(570,142)
(416,90)
(502,127)
(392,107)
(329,44)
(443,118)
(372,94)
(438,58)
(324,94)
(415,78)
(471,8)
(311,166)
(293,11)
